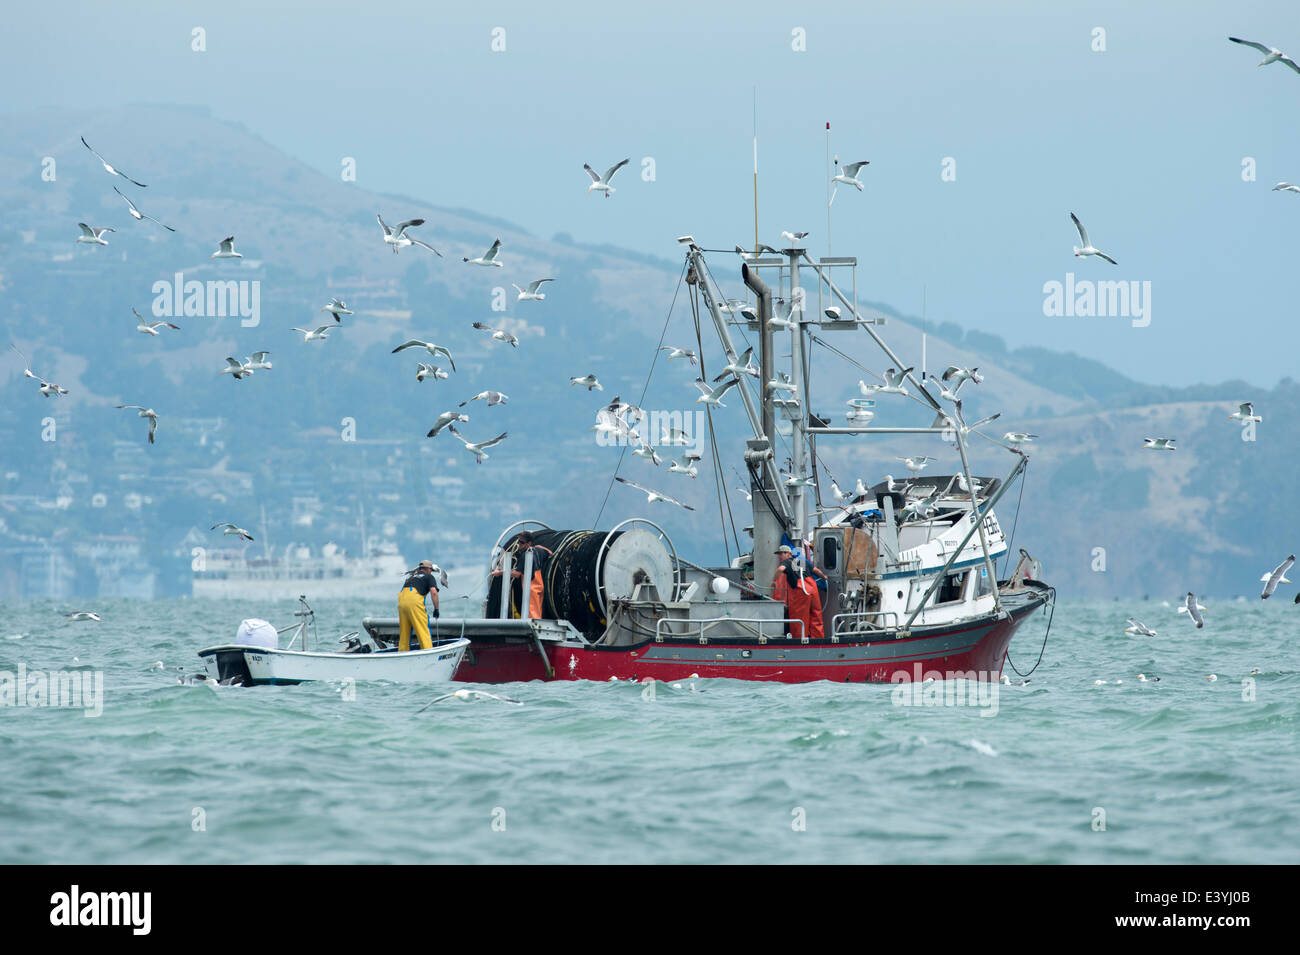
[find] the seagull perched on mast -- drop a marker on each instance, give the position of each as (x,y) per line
(531,294)
(916,465)
(398,239)
(1278,576)
(1087,248)
(1272,54)
(848,175)
(118,172)
(145,328)
(488,258)
(601,183)
(794,238)
(93,236)
(430,347)
(136,214)
(478,449)
(653,497)
(146,413)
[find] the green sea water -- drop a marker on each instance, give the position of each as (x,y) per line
(1183,770)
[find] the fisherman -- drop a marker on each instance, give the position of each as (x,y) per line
(420,583)
(536,588)
(800,593)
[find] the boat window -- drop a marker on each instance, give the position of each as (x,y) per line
(829,552)
(952,588)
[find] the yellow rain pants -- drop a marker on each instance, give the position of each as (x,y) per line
(413,616)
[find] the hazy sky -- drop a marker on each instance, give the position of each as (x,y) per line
(1145,141)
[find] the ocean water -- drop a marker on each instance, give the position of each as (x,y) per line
(1184,770)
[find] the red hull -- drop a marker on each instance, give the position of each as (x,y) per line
(976,649)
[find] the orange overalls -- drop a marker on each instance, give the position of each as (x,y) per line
(813,613)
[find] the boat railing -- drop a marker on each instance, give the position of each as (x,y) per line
(859,621)
(702,625)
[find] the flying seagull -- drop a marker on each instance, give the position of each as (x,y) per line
(956,375)
(469,695)
(498,334)
(649,453)
(320,333)
(1087,247)
(713,396)
(1138,628)
(337,308)
(1158,444)
(488,258)
(1245,412)
(93,236)
(430,347)
(477,449)
(146,413)
(763,248)
(686,465)
(82,615)
(653,497)
(444,419)
(239,369)
(848,175)
(1278,576)
(1193,610)
(491,397)
(531,294)
(601,183)
(1285,187)
(136,214)
(1018,437)
(48,388)
(258,361)
(232,530)
(1271,55)
(917,464)
(588,381)
(424,371)
(678,353)
(398,239)
(227,250)
(145,328)
(118,172)
(893,382)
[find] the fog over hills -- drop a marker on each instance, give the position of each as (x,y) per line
(1105,517)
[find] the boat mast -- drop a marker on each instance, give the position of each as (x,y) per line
(799,423)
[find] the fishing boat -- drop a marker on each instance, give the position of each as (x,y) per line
(910,589)
(256,659)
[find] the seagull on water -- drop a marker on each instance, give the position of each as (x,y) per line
(1193,609)
(678,353)
(488,258)
(531,294)
(136,214)
(589,382)
(424,371)
(398,239)
(445,419)
(1271,54)
(713,396)
(477,449)
(82,615)
(653,497)
(337,308)
(1087,247)
(498,334)
(93,236)
(318,334)
(491,397)
(145,328)
(110,169)
(233,530)
(601,183)
(1158,444)
(1245,412)
(146,413)
(1278,576)
(48,388)
(238,369)
(1138,628)
(430,347)
(226,250)
(848,175)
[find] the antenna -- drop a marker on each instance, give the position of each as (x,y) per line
(828,189)
(756,170)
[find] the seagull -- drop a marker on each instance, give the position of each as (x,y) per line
(48,388)
(782,383)
(678,353)
(1087,247)
(744,365)
(320,333)
(491,397)
(794,238)
(944,391)
(469,695)
(800,481)
(498,334)
(116,172)
(968,428)
(686,465)
(653,497)
(145,328)
(446,418)
(731,306)
(916,465)
(1138,628)
(1018,437)
(674,437)
(92,236)
(82,615)
(424,371)
(1285,187)
(1245,412)
(531,294)
(956,375)
(1193,609)
(146,413)
(227,250)
(489,257)
(750,256)
(1158,444)
(649,453)
(479,449)
(893,382)
(848,175)
(624,410)
(237,368)
(430,347)
(1143,678)
(607,422)
(589,382)
(337,308)
(713,396)
(601,183)
(136,214)
(1271,55)
(233,530)
(1278,576)
(398,239)
(258,361)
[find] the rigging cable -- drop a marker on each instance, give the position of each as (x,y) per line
(1041,650)
(694,298)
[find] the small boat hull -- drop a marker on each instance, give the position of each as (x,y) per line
(259,666)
